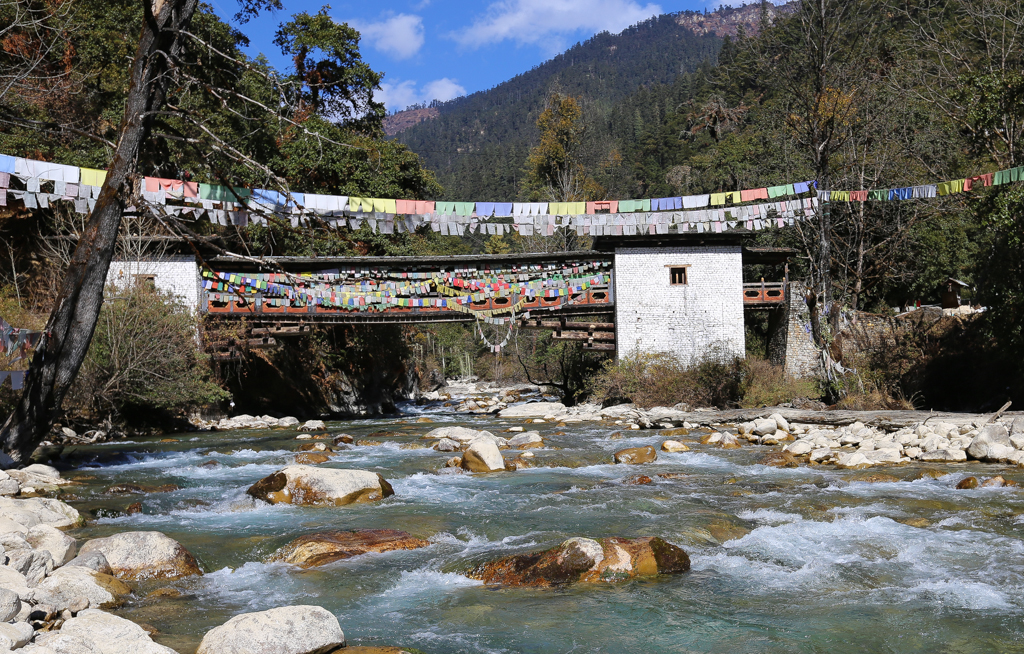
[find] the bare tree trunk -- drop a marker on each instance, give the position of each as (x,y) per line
(71,324)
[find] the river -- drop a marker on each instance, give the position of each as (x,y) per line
(808,559)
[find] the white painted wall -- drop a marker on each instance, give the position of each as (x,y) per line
(177,274)
(651,315)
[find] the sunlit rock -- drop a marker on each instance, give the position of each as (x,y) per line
(307,485)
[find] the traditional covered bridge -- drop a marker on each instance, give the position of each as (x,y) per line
(679,293)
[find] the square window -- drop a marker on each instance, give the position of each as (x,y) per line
(677,276)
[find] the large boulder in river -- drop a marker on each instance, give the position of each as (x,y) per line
(320,549)
(482,455)
(285,630)
(585,560)
(633,455)
(991,444)
(70,584)
(93,630)
(307,485)
(144,555)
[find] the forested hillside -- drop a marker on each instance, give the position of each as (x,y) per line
(478,144)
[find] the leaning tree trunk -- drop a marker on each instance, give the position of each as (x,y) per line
(69,329)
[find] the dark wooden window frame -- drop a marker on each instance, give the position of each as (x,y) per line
(678,275)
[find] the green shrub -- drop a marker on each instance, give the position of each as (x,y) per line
(144,361)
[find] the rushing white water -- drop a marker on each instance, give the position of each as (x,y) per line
(784,559)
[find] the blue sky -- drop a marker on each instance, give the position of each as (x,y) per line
(435,49)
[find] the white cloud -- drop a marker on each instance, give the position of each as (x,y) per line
(543,22)
(400,36)
(399,95)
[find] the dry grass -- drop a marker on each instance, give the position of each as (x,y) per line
(661,379)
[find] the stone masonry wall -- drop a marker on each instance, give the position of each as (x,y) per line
(177,274)
(652,315)
(802,359)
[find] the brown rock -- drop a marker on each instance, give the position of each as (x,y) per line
(914,522)
(678,431)
(424,419)
(518,463)
(311,458)
(779,460)
(729,442)
(615,436)
(343,438)
(412,446)
(210,464)
(320,549)
(637,480)
(672,475)
(366,443)
(454,462)
(635,455)
(724,531)
(164,593)
(967,483)
(586,560)
(994,482)
(314,447)
(133,508)
(931,474)
(875,478)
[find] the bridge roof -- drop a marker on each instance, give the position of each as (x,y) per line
(610,243)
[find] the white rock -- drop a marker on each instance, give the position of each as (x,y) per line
(62,588)
(714,438)
(19,633)
(55,642)
(912,452)
(11,579)
(447,445)
(109,634)
(746,428)
(850,439)
(779,421)
(674,446)
(981,447)
(887,455)
(852,459)
(313,425)
(765,426)
(526,440)
(144,555)
(304,437)
(517,428)
(10,604)
(61,547)
(482,456)
(310,485)
(288,421)
(944,456)
(799,448)
(39,510)
(34,564)
(820,454)
(460,434)
(1017,440)
(533,410)
(285,630)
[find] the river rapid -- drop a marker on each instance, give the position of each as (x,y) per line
(808,559)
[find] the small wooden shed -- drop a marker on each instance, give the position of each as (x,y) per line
(951,293)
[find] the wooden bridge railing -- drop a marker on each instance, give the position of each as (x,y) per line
(764,293)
